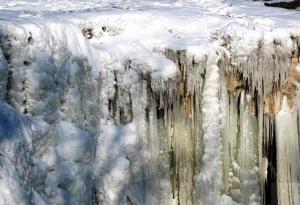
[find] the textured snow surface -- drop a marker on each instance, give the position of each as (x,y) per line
(123,102)
(210,178)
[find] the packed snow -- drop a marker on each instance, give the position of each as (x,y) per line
(125,102)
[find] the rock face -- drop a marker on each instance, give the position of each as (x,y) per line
(294,4)
(83,122)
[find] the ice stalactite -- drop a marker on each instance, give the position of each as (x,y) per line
(266,67)
(256,108)
(185,134)
(167,118)
(286,131)
(287,143)
(247,154)
(240,143)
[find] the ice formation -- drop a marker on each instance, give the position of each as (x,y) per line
(149,103)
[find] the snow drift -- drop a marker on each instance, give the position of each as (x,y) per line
(109,105)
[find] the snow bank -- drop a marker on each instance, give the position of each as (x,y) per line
(144,102)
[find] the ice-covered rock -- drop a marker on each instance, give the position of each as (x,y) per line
(148,102)
(73,144)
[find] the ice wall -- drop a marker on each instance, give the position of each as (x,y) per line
(254,109)
(41,77)
(102,125)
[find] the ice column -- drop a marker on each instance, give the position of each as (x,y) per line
(288,168)
(210,176)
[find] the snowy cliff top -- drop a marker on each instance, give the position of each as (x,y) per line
(141,26)
(189,15)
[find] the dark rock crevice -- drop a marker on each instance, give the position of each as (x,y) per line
(294,4)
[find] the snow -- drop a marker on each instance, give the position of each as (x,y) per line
(13,128)
(20,135)
(115,102)
(72,142)
(210,178)
(118,153)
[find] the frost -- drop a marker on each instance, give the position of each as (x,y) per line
(148,102)
(72,142)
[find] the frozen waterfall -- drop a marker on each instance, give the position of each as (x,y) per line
(109,109)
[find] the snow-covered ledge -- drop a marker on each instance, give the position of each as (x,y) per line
(149,103)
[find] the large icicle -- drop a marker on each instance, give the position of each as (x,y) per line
(288,155)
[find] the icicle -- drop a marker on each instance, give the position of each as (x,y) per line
(265,67)
(288,155)
(247,152)
(240,142)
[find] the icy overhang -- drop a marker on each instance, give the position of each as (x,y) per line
(110,33)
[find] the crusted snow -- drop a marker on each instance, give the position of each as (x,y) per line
(122,31)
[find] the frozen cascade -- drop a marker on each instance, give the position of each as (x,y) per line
(287,155)
(210,176)
(85,122)
(240,155)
